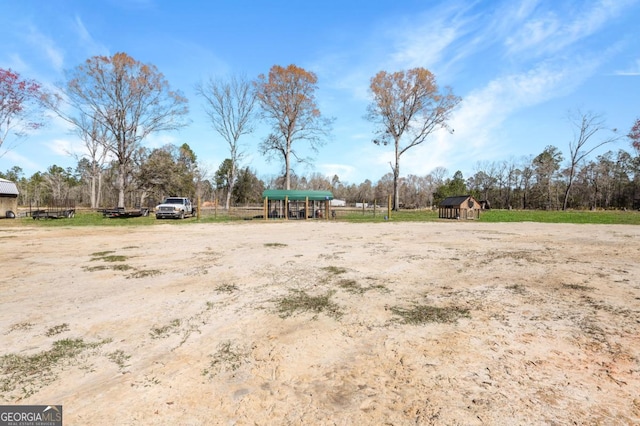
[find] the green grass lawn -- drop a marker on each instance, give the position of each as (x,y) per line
(85,218)
(571,216)
(595,217)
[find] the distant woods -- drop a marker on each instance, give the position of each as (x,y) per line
(114,104)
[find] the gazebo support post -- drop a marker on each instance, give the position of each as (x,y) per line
(265,208)
(286,207)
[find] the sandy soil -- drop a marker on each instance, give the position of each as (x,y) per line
(188,324)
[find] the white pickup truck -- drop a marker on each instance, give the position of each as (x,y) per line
(175,207)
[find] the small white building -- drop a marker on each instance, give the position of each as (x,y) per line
(338,203)
(8,198)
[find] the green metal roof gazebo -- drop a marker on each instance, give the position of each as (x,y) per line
(294,204)
(297,195)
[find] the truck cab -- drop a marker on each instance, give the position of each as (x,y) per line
(175,208)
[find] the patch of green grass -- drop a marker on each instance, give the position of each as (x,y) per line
(226,288)
(571,216)
(119,357)
(165,331)
(299,301)
(353,287)
(497,215)
(21,326)
(88,218)
(31,372)
(102,253)
(357,216)
(228,357)
(121,267)
(57,329)
(381,287)
(421,314)
(335,270)
(275,245)
(577,287)
(143,273)
(124,267)
(111,258)
(517,288)
(96,268)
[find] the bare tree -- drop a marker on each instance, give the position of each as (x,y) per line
(287,98)
(94,136)
(230,108)
(586,127)
(409,105)
(130,99)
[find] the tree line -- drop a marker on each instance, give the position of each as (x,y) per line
(114,103)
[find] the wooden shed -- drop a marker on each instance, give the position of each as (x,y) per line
(8,198)
(459,207)
(296,204)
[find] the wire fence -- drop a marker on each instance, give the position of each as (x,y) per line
(257,213)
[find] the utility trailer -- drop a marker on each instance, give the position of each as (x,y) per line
(121,212)
(55,209)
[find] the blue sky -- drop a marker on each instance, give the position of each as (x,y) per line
(519,67)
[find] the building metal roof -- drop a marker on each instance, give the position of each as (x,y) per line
(297,195)
(8,188)
(454,201)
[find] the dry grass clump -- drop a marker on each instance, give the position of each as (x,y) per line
(57,329)
(31,372)
(165,331)
(226,288)
(143,273)
(228,357)
(275,245)
(335,270)
(421,314)
(299,301)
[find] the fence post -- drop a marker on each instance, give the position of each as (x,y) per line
(286,207)
(265,208)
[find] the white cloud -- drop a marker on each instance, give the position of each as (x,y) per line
(425,46)
(158,140)
(423,42)
(633,70)
(479,120)
(344,171)
(534,33)
(61,146)
(48,46)
(14,158)
(541,31)
(85,38)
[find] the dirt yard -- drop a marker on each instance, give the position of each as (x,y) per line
(301,323)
